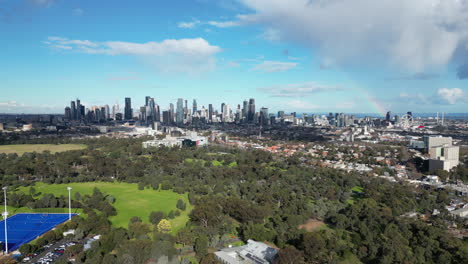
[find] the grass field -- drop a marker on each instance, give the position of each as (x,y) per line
(23,148)
(215,163)
(129,200)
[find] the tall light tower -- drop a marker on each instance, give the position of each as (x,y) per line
(69,202)
(5,215)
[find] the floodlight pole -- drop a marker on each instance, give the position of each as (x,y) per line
(5,214)
(69,202)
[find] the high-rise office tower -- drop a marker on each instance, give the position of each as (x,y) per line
(194,106)
(147,99)
(157,113)
(171,112)
(180,111)
(103,114)
(73,110)
(128,111)
(79,114)
(222,108)
(210,112)
(245,109)
(115,110)
(280,114)
(107,111)
(166,117)
(388,116)
(143,116)
(68,113)
(264,116)
(251,113)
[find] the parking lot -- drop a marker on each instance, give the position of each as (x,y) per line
(51,253)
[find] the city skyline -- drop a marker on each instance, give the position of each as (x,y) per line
(228,51)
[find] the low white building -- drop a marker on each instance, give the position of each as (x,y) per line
(252,253)
(192,139)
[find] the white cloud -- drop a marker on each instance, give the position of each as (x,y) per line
(170,55)
(451,96)
(416,34)
(188,24)
(271,35)
(10,104)
(441,96)
(298,89)
(224,24)
(274,66)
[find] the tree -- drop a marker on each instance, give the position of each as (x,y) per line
(201,245)
(181,205)
(290,255)
(209,259)
(156,217)
(164,226)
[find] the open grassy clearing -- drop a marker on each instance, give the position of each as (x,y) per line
(215,163)
(24,148)
(129,200)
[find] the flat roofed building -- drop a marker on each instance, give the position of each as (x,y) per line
(252,253)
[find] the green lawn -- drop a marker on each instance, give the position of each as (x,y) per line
(215,163)
(23,148)
(129,200)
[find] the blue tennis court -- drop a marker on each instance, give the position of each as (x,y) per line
(25,227)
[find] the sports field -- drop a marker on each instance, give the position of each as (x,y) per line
(129,200)
(23,228)
(23,148)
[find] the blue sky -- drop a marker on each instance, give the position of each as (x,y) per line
(295,55)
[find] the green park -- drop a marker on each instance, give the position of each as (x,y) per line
(52,148)
(129,200)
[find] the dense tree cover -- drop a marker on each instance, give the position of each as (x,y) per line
(263,197)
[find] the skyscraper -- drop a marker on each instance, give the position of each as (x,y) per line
(194,106)
(73,110)
(128,112)
(68,113)
(180,111)
(107,111)
(79,114)
(388,116)
(171,113)
(251,113)
(147,99)
(245,109)
(264,116)
(210,112)
(115,110)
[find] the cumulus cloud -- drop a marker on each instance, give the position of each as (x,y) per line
(274,66)
(416,34)
(451,96)
(442,96)
(171,55)
(298,89)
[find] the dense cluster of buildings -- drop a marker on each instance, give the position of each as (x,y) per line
(245,113)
